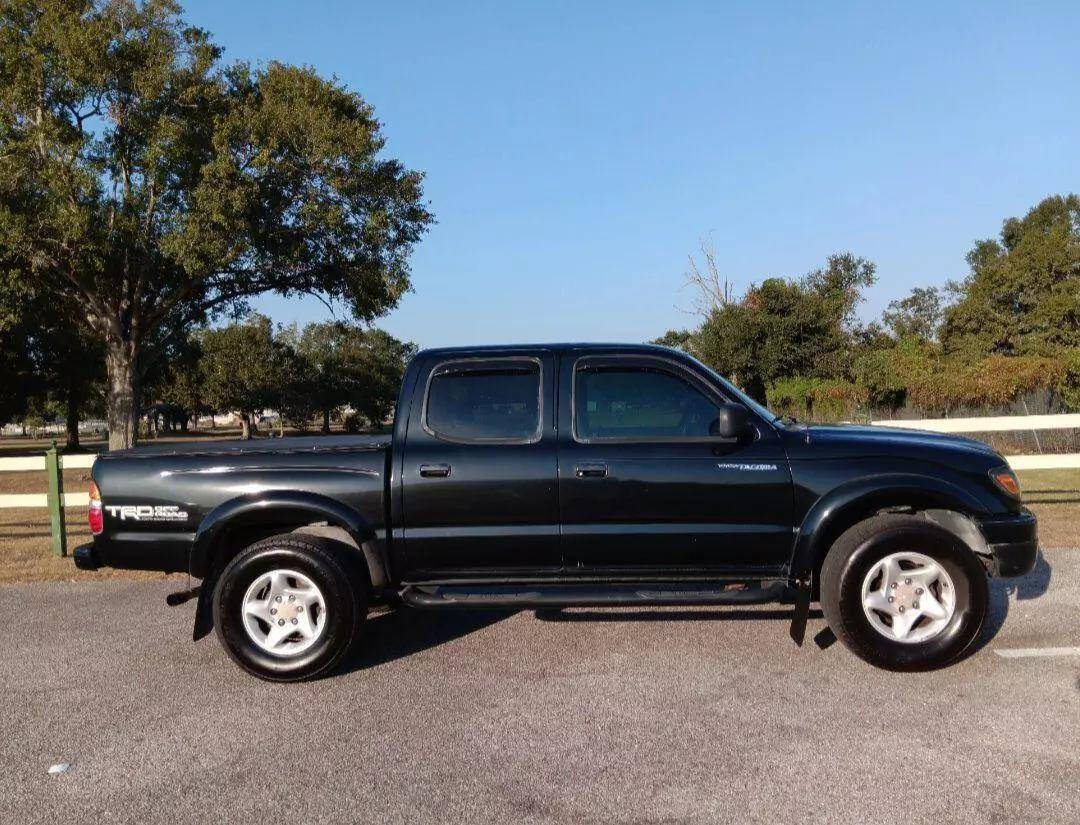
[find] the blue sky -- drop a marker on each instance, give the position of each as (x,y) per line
(577,152)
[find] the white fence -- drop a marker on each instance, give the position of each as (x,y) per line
(36,463)
(1051,461)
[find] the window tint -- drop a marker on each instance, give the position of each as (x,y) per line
(500,401)
(639,402)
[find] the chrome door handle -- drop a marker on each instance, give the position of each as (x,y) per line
(590,470)
(435,470)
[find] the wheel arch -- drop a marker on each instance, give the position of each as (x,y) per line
(243,520)
(942,502)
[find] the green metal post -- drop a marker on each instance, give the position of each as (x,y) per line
(56,500)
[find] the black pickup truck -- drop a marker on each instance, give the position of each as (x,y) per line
(570,475)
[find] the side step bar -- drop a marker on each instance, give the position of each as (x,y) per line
(591,595)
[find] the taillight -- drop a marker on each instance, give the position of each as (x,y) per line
(96,515)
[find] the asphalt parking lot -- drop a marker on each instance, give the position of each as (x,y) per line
(581,717)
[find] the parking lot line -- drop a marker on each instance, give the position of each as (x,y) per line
(1034,652)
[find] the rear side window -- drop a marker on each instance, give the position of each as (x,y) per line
(638,402)
(493,400)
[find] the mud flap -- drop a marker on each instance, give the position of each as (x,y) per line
(204,610)
(802,611)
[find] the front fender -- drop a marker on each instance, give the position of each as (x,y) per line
(855,500)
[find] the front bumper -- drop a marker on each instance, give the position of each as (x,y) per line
(1013,542)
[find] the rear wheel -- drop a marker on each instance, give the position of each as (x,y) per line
(903,593)
(288,608)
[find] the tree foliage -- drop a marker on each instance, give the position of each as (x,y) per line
(919,315)
(146,186)
(248,367)
(784,327)
(241,369)
(1022,294)
(350,365)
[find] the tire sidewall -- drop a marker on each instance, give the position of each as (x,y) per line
(969,581)
(338,594)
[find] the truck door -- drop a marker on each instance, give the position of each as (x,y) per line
(642,482)
(479,481)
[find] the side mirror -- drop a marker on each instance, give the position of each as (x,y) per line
(732,421)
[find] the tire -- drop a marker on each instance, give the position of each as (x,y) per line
(865,549)
(333,588)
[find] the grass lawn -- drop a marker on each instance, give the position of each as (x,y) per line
(1054,497)
(25,554)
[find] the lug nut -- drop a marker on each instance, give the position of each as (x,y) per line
(907,581)
(277,598)
(901,608)
(299,608)
(294,621)
(891,599)
(273,611)
(893,585)
(281,622)
(918,591)
(915,605)
(292,598)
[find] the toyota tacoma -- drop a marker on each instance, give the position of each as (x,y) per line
(570,475)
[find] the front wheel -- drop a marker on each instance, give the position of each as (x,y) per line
(288,608)
(903,593)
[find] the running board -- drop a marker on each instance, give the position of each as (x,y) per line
(592,595)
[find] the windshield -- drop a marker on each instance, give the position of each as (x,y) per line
(760,409)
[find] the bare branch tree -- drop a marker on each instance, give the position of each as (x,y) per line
(712,290)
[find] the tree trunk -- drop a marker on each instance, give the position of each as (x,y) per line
(72,419)
(326,421)
(245,427)
(122,406)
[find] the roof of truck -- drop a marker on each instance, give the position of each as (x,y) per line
(560,347)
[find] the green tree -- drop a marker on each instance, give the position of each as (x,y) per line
(241,369)
(46,362)
(350,365)
(1022,294)
(785,328)
(919,315)
(146,186)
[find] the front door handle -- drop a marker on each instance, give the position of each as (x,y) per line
(435,470)
(590,470)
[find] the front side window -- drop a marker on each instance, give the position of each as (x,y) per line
(638,402)
(494,400)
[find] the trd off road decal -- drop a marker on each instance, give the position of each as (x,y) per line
(747,468)
(147,512)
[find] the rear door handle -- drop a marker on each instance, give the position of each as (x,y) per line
(435,470)
(590,470)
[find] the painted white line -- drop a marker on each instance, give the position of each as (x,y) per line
(1036,652)
(40,500)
